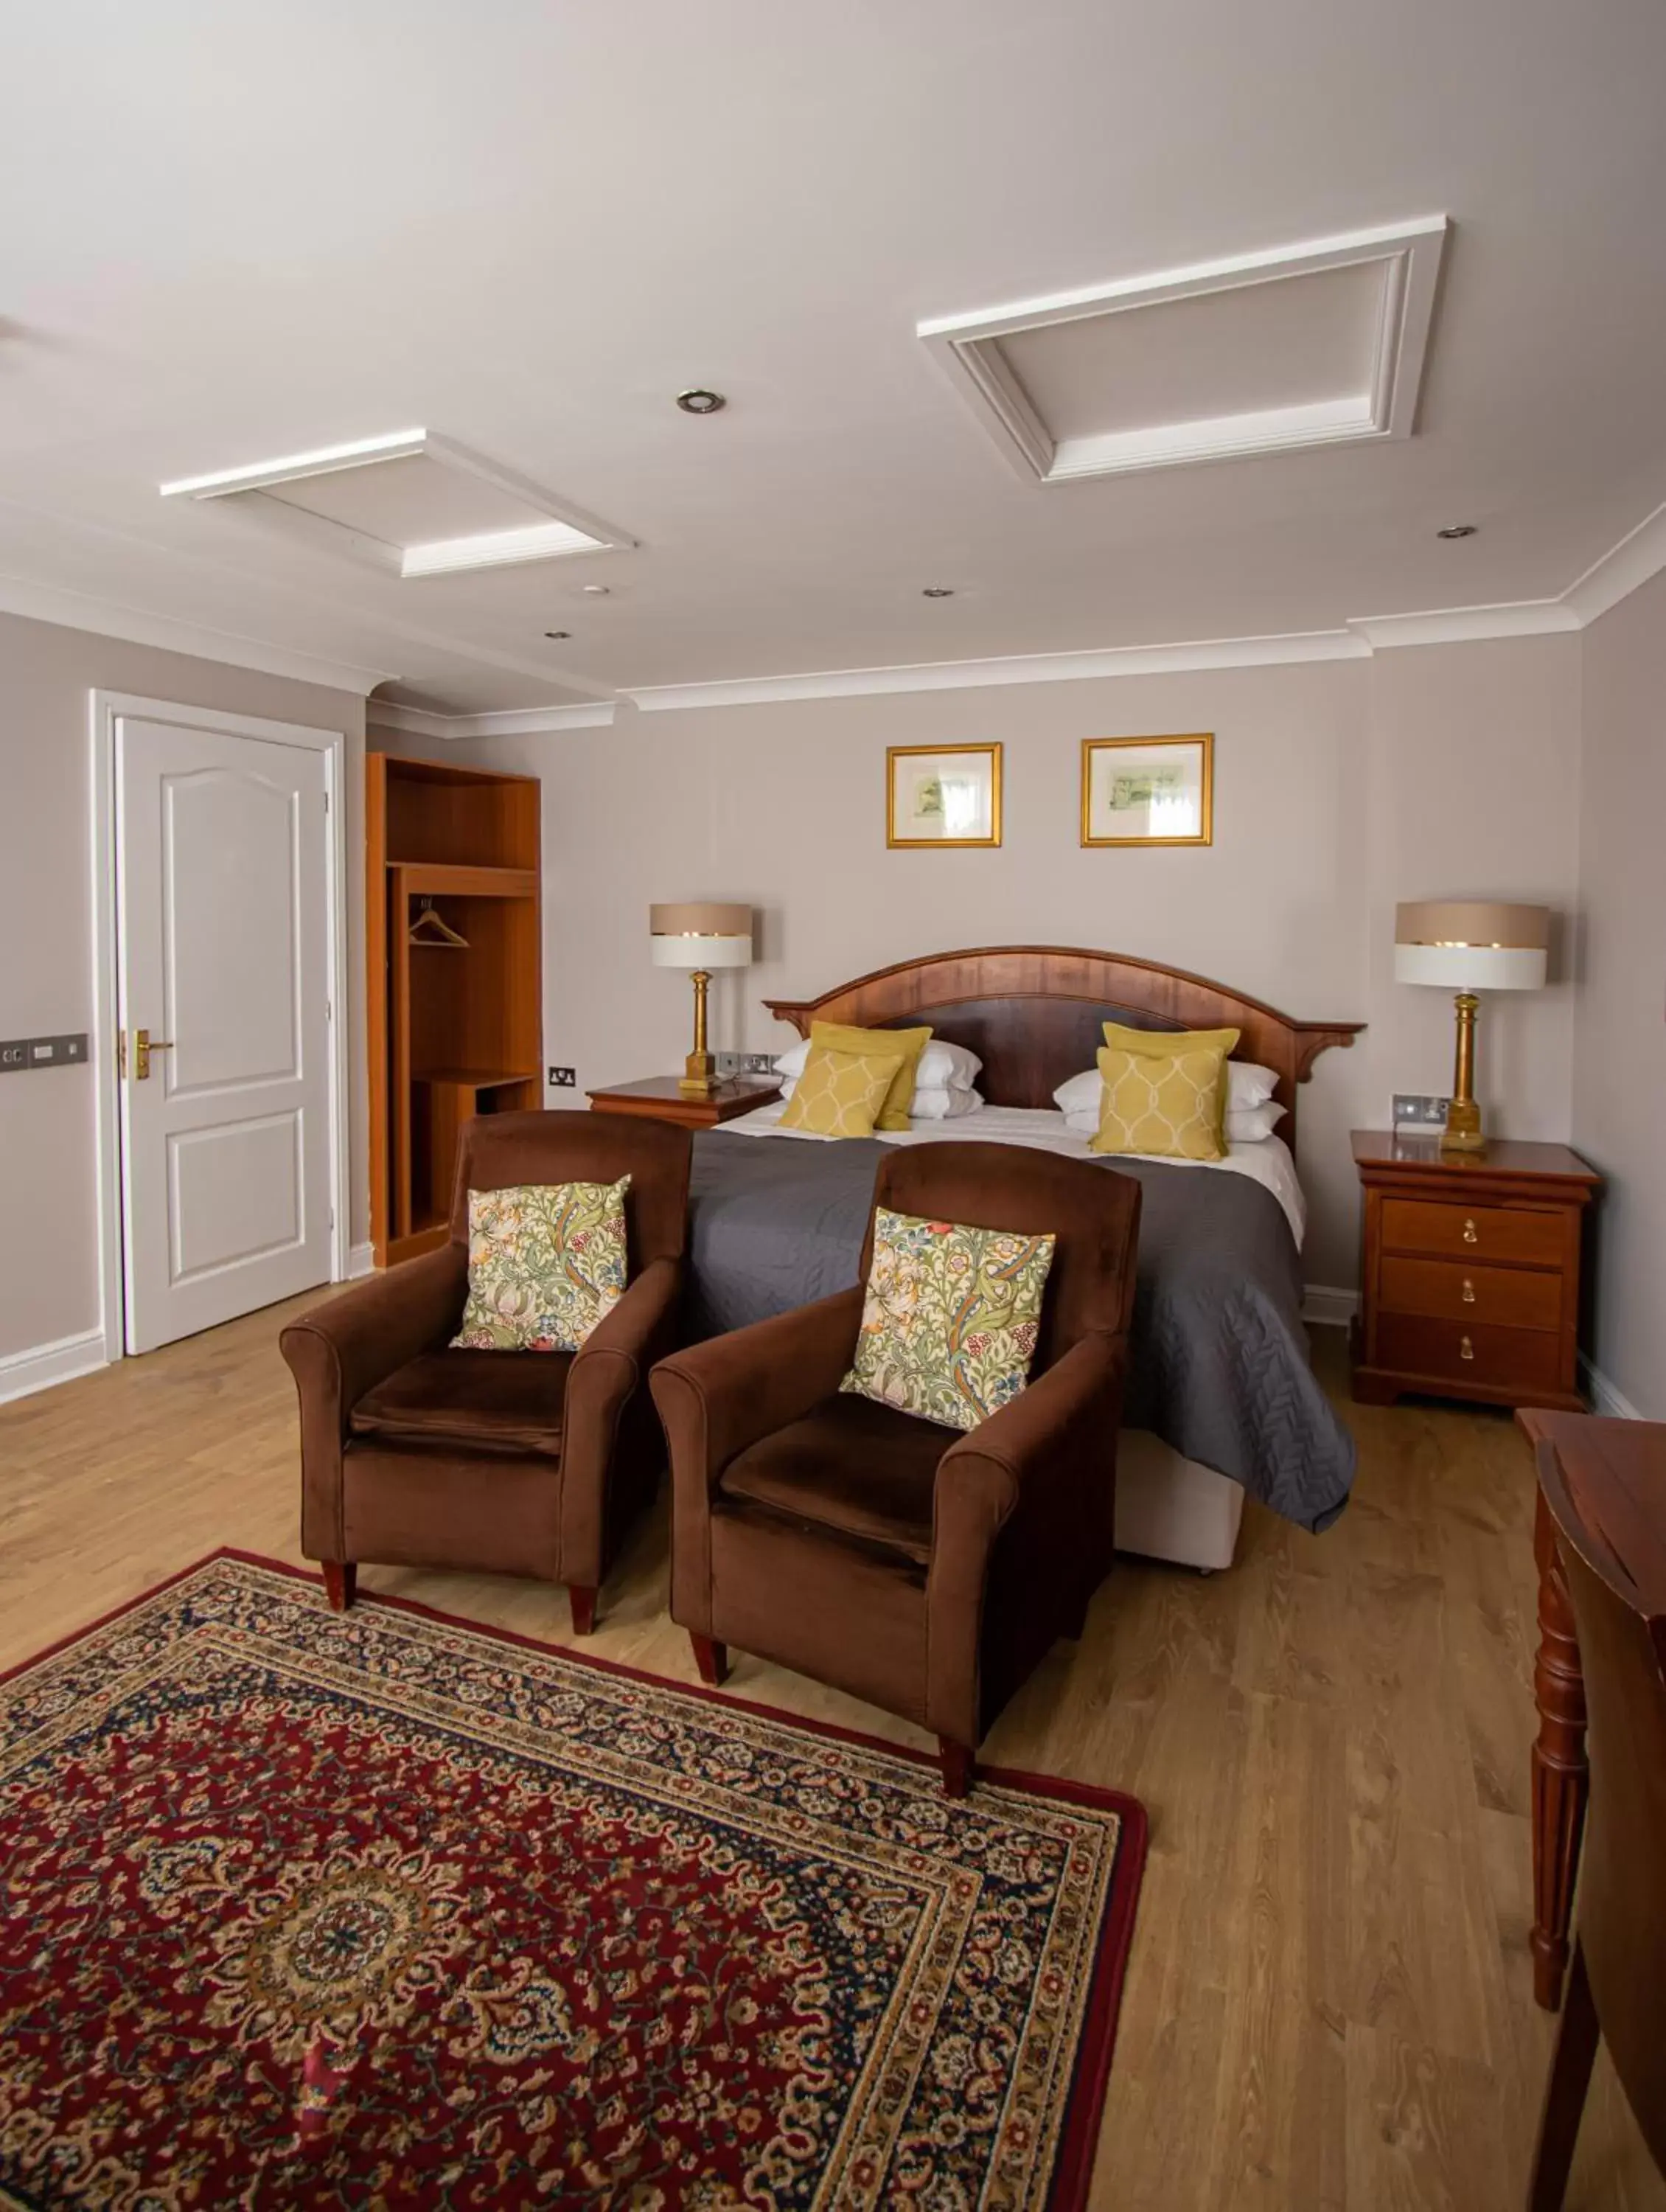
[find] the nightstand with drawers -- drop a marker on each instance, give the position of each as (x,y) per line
(662,1099)
(1470,1271)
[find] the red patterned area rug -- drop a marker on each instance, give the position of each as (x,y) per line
(384,1910)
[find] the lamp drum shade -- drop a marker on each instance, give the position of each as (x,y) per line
(701,933)
(1471,944)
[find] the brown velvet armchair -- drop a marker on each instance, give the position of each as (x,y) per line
(924,1570)
(521,1462)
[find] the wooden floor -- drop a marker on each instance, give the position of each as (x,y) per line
(1328,2003)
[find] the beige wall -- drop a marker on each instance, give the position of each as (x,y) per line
(49,1283)
(1339,788)
(1620,1058)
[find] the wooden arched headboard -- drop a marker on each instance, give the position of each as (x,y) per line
(1031,1014)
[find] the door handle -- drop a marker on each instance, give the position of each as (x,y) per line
(143,1045)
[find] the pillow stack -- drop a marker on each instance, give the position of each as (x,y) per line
(930,1081)
(1170,1094)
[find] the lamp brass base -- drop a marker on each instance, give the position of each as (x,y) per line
(1463,1132)
(699,1076)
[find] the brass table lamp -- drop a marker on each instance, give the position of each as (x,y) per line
(700,935)
(1469,946)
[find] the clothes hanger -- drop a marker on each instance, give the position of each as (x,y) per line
(430,928)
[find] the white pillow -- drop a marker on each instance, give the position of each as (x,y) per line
(937,1102)
(942,1066)
(1248,1085)
(1080,1094)
(1248,1125)
(945,1066)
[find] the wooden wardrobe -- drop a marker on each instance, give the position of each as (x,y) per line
(454,996)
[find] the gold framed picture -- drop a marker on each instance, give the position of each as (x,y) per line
(942,795)
(1148,791)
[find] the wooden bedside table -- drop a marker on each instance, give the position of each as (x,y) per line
(1469,1275)
(657,1097)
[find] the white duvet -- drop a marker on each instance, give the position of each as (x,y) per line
(1268,1161)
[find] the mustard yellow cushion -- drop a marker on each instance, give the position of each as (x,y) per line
(951,1318)
(839,1093)
(910,1043)
(1171,1103)
(1160,1041)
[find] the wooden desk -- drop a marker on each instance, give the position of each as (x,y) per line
(1615,1473)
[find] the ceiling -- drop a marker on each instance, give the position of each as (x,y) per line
(240,233)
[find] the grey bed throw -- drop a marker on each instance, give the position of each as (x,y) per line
(1219,1366)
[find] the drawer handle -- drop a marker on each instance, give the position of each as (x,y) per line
(1468,1291)
(1471,1234)
(1466,1350)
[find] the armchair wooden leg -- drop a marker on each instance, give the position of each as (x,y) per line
(341,1582)
(956,1759)
(1564,2093)
(582,1598)
(711,1659)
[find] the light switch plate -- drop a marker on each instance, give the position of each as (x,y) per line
(20,1055)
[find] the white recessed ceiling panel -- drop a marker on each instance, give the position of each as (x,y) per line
(1308,346)
(427,505)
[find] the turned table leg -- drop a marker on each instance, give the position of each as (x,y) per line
(1560,1771)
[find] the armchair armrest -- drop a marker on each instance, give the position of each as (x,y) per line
(344,1348)
(608,1365)
(717,1397)
(340,1351)
(1025,1462)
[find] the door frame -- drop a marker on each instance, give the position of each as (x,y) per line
(105,708)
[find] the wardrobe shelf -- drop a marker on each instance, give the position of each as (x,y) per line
(459,1036)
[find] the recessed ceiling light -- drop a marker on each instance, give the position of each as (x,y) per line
(558,633)
(1459,530)
(596,590)
(938,591)
(699,401)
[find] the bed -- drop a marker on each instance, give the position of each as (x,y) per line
(1222,1396)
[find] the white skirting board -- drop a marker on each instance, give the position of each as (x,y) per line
(23,1373)
(360,1261)
(1170,1508)
(1604,1397)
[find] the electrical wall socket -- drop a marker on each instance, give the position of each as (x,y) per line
(1419,1109)
(19,1054)
(562,1079)
(746,1063)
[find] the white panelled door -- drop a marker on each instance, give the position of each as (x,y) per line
(224,960)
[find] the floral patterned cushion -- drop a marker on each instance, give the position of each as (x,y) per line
(546,1264)
(949,1322)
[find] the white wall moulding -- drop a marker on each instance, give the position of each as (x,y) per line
(360,1261)
(1315,344)
(1639,554)
(1604,1397)
(1456,625)
(503,722)
(1328,1306)
(49,603)
(1022,668)
(416,503)
(21,1373)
